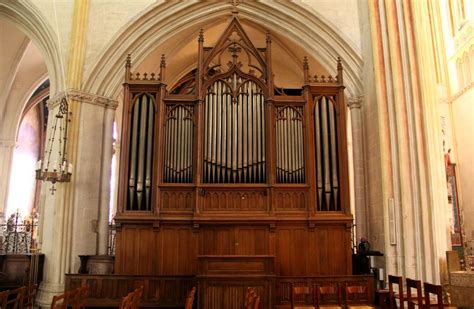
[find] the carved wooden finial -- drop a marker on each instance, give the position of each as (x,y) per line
(163,61)
(340,78)
(201,35)
(305,69)
(162,68)
(269,37)
(128,64)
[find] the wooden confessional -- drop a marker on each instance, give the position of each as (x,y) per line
(230,179)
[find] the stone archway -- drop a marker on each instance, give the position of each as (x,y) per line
(145,32)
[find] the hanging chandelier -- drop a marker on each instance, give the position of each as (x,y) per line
(56,168)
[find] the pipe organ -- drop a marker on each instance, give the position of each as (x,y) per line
(225,163)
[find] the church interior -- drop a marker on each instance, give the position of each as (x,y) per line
(236,154)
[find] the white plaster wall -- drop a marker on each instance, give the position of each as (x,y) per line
(58,14)
(344,14)
(106,19)
(463,122)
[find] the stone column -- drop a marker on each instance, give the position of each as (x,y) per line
(75,219)
(361,212)
(408,129)
(6,156)
(94,159)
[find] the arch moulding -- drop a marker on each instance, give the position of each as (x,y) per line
(161,21)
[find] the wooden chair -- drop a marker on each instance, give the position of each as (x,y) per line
(436,290)
(328,297)
(29,300)
(252,300)
(393,295)
(417,300)
(15,298)
(305,292)
(77,297)
(127,301)
(357,296)
(190,299)
(60,301)
(3,299)
(137,297)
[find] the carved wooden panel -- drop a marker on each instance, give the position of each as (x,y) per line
(290,199)
(108,290)
(234,200)
(177,200)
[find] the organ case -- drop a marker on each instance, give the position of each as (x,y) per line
(226,163)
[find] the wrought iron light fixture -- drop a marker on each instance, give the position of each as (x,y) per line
(60,170)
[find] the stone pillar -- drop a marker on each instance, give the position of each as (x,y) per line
(75,219)
(6,157)
(361,213)
(409,135)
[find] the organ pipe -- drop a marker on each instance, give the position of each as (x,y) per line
(327,169)
(179,142)
(289,144)
(234,132)
(140,169)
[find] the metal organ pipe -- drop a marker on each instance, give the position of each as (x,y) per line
(234,134)
(179,141)
(290,144)
(327,174)
(141,154)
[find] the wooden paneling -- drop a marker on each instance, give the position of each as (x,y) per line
(135,250)
(170,250)
(177,200)
(223,280)
(290,199)
(312,251)
(108,290)
(223,200)
(283,285)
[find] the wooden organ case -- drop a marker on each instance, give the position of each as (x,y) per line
(227,165)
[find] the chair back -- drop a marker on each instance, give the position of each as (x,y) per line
(3,299)
(137,297)
(436,290)
(127,301)
(328,294)
(251,298)
(305,293)
(357,294)
(398,280)
(256,303)
(29,300)
(417,299)
(15,298)
(190,298)
(60,301)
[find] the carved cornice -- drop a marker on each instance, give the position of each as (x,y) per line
(7,143)
(83,97)
(461,92)
(355,102)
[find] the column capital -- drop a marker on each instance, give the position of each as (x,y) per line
(355,102)
(83,97)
